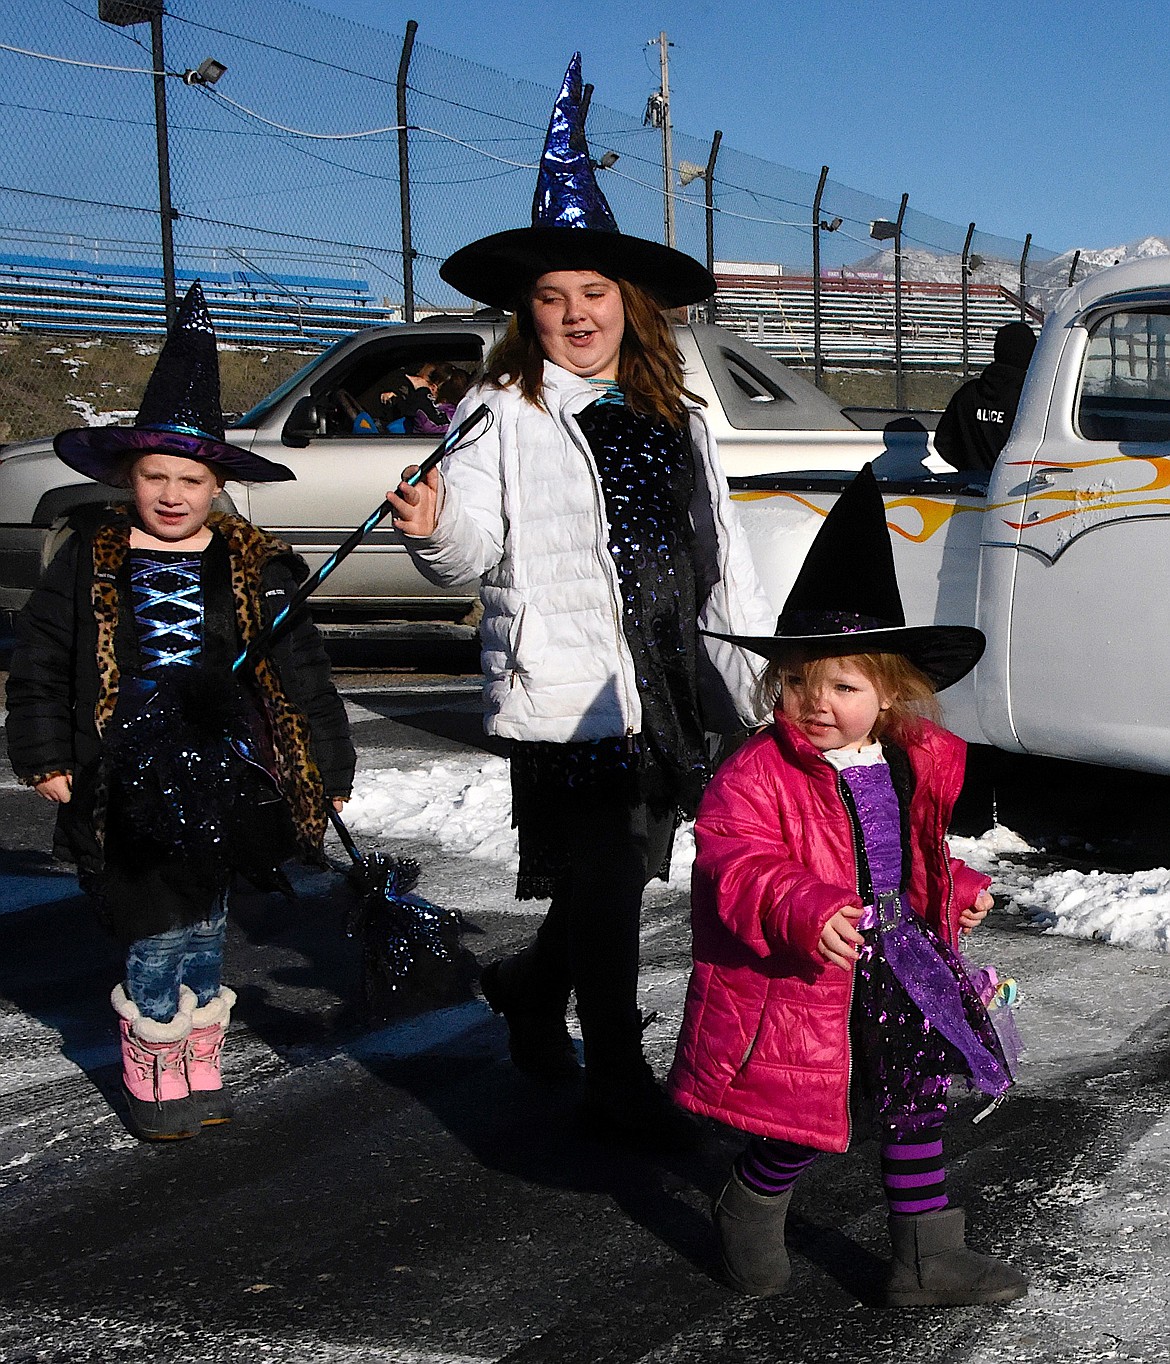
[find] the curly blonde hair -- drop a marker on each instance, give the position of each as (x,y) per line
(907,689)
(650,364)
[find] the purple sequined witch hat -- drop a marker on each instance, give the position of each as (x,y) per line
(180,413)
(573,228)
(846,601)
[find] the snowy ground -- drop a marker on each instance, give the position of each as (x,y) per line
(461,804)
(398,1194)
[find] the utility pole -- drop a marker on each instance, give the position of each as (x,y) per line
(658,116)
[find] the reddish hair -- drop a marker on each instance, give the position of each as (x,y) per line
(907,689)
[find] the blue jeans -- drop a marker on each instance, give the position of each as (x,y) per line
(191,956)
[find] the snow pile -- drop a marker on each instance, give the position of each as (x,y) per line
(1128,910)
(462,806)
(92,416)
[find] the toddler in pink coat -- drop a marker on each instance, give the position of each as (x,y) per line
(826,913)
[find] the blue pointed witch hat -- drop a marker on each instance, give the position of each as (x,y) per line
(573,228)
(180,413)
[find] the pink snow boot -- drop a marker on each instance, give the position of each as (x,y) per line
(153,1073)
(209,1024)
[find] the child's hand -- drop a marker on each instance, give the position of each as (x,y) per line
(840,940)
(973,917)
(58,789)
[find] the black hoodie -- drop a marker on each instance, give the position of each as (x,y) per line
(978,419)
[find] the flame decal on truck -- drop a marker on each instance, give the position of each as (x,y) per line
(919,517)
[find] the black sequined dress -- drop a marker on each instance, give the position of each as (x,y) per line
(647,473)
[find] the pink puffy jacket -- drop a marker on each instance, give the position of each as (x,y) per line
(765,1036)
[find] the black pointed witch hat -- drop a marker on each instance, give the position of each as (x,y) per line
(573,228)
(180,413)
(845,599)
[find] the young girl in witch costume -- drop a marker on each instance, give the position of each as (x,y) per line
(595,514)
(827,913)
(122,709)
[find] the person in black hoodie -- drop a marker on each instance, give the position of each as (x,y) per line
(978,419)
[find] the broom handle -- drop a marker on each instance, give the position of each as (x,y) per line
(343,833)
(350,543)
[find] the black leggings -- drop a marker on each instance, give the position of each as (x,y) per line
(589,940)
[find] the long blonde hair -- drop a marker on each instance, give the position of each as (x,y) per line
(908,690)
(650,364)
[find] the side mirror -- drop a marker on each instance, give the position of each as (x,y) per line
(303,424)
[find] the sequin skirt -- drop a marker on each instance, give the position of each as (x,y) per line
(918,1020)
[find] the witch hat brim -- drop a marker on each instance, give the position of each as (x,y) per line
(500,269)
(945,653)
(180,413)
(573,228)
(845,599)
(100,452)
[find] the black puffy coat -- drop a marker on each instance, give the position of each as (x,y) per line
(76,638)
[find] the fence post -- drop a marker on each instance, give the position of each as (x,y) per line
(899,378)
(404,175)
(965,279)
(165,212)
(1024,276)
(709,207)
(818,365)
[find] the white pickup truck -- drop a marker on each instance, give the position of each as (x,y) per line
(1061,557)
(765,418)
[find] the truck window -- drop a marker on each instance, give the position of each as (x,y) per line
(357,398)
(1125,383)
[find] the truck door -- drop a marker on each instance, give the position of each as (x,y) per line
(1090,612)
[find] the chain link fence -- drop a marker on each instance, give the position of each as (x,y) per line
(284,180)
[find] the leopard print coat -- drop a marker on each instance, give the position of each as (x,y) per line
(72,645)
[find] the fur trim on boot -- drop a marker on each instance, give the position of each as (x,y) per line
(154,1076)
(750,1227)
(209,1025)
(932,1266)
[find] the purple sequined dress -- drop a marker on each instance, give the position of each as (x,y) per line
(917,1018)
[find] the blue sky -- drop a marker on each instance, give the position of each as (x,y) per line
(1041,116)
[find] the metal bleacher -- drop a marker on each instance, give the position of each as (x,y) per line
(249,306)
(775,312)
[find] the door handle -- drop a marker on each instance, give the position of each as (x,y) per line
(1047,477)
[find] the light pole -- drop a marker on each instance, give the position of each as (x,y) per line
(882,230)
(688,171)
(1024,276)
(819,225)
(125,13)
(965,283)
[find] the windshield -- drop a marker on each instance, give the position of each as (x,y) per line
(254,416)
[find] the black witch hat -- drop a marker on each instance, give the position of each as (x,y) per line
(573,228)
(180,413)
(846,601)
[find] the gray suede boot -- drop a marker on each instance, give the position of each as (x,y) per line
(750,1227)
(932,1266)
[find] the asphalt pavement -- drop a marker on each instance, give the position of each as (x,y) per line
(397,1193)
